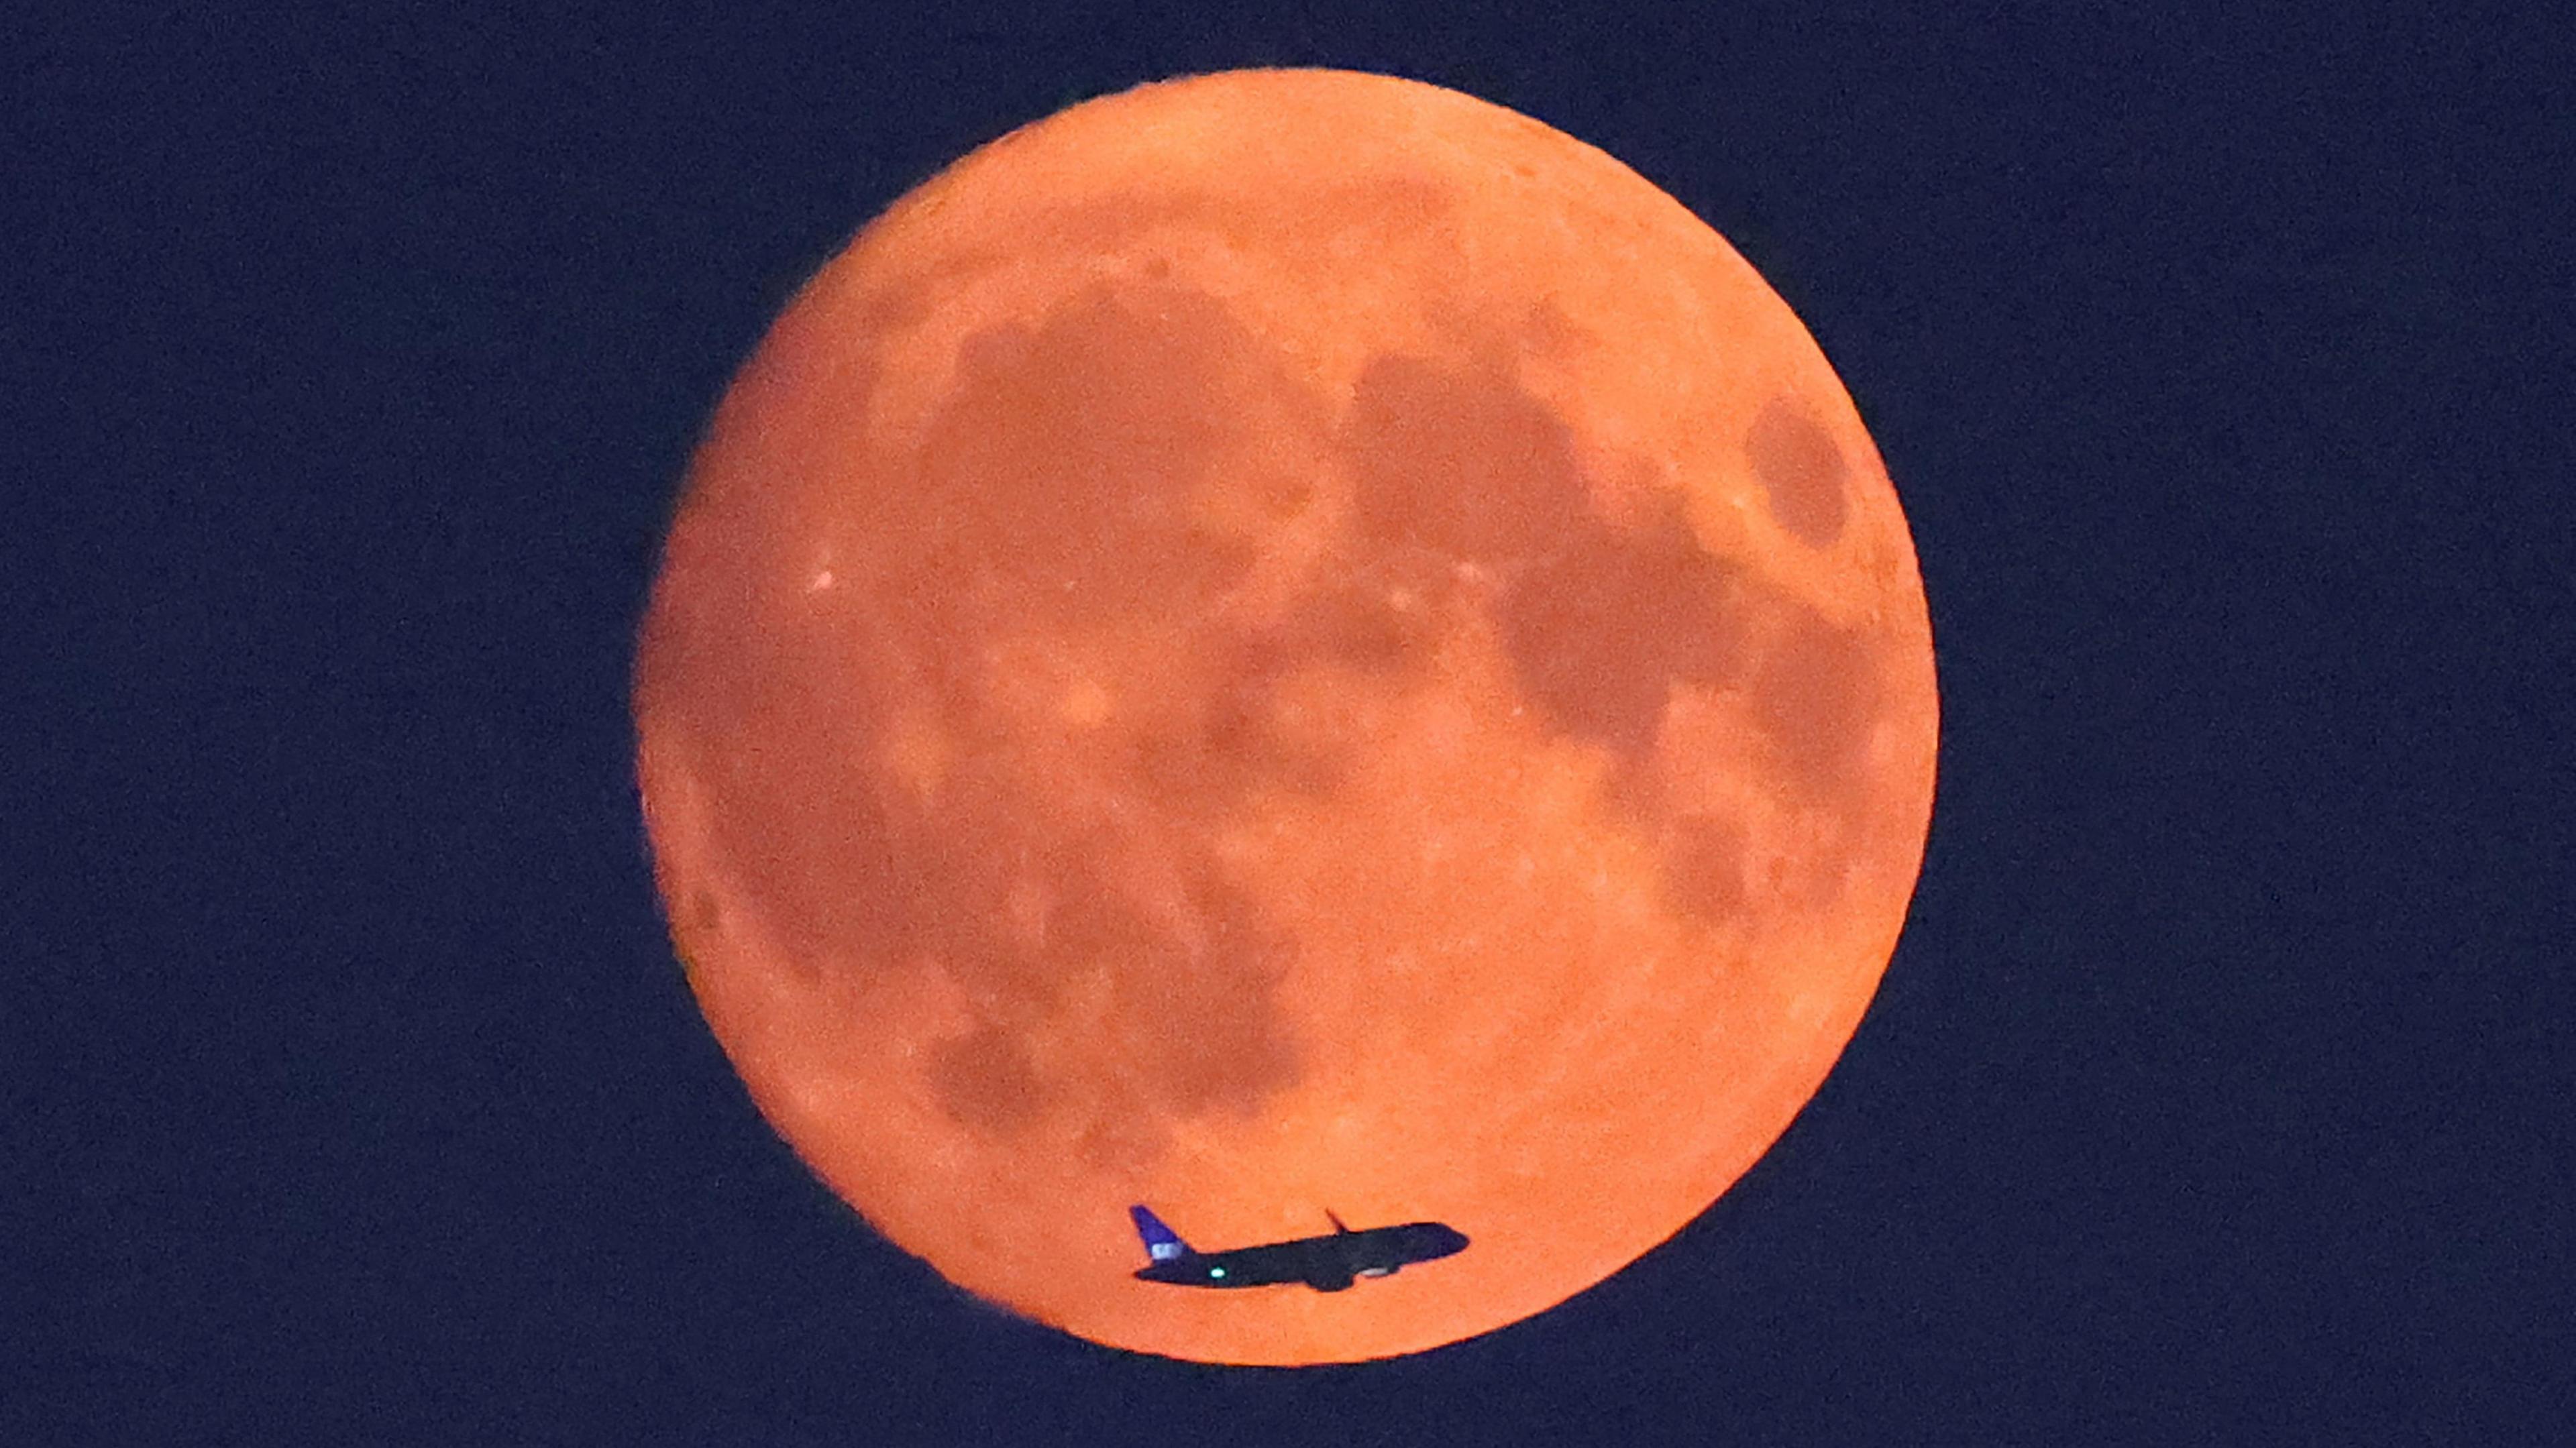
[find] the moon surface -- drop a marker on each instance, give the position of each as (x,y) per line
(1285,640)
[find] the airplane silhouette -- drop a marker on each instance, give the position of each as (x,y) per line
(1326,1264)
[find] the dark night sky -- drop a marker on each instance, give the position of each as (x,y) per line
(2220,355)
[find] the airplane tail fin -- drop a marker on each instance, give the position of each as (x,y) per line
(1161,1243)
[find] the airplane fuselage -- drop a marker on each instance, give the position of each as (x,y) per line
(1328,1263)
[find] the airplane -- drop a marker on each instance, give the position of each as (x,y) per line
(1326,1264)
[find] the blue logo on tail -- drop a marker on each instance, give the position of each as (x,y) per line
(1161,1242)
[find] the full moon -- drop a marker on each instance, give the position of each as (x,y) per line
(1284,642)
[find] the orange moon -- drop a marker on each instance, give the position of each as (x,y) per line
(1285,641)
